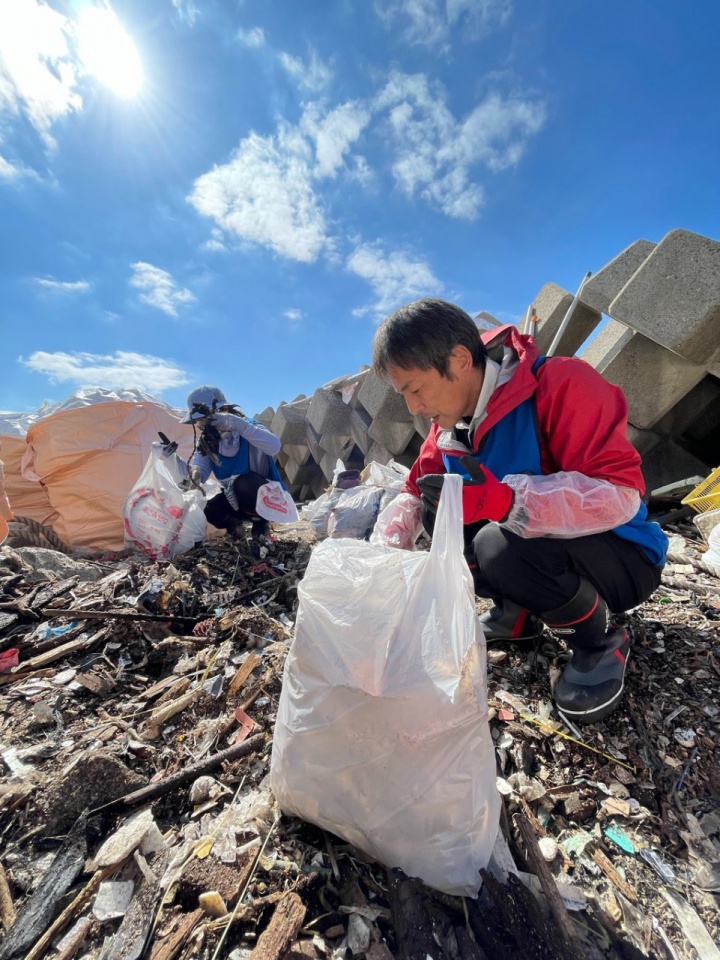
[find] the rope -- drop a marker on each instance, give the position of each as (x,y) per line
(26,532)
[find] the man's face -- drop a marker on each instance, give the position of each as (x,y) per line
(442,399)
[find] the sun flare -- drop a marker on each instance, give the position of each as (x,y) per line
(107,51)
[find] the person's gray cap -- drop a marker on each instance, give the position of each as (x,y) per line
(206,396)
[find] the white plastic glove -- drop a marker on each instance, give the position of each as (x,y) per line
(229,423)
(399,524)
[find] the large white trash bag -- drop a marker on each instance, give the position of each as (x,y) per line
(382,734)
(162,515)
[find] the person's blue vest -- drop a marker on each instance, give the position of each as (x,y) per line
(239,465)
(512,446)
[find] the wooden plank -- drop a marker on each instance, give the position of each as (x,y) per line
(282,930)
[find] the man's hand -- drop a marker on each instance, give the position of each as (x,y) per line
(228,423)
(484,496)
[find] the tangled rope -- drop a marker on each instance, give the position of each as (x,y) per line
(26,532)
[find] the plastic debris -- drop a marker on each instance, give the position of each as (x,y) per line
(620,838)
(112,899)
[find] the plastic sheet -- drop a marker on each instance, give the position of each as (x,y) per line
(567,504)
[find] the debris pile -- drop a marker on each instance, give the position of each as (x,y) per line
(137,703)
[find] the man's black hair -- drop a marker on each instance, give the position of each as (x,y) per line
(423,334)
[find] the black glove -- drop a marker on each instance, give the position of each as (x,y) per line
(431,485)
(168,446)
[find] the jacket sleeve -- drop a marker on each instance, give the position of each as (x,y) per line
(262,438)
(203,463)
(592,479)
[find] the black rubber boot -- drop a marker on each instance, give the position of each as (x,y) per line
(510,622)
(592,684)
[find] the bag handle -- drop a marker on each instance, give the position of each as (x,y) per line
(447,536)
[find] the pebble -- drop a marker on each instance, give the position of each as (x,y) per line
(548,848)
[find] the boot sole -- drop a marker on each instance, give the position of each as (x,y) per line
(597,713)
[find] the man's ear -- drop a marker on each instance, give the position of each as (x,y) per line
(460,360)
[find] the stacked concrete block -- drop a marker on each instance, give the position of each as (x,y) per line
(652,378)
(661,346)
(551,304)
(266,417)
(602,288)
(289,421)
(328,414)
(674,298)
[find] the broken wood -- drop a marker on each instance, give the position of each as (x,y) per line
(243,673)
(190,773)
(282,930)
(7,907)
(80,614)
(57,653)
(69,913)
(612,874)
(39,908)
(571,946)
(168,947)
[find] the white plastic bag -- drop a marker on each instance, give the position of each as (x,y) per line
(274,503)
(159,516)
(355,512)
(382,734)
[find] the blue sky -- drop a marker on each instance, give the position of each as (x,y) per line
(235,192)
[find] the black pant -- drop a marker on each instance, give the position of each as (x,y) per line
(543,573)
(220,513)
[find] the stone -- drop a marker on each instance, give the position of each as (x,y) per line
(378,453)
(266,417)
(96,779)
(313,440)
(338,447)
(380,399)
(652,378)
(551,304)
(392,435)
(299,475)
(299,452)
(674,298)
(328,414)
(602,288)
(668,462)
(360,423)
(289,421)
(53,565)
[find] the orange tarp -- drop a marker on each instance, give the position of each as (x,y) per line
(86,461)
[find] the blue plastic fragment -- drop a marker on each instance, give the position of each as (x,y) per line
(620,839)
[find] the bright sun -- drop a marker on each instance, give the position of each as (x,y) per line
(108,52)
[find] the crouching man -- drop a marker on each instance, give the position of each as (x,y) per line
(555,528)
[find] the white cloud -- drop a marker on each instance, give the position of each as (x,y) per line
(64,286)
(294,316)
(158,288)
(264,195)
(434,152)
(313,75)
(121,370)
(333,133)
(255,37)
(8,171)
(430,22)
(187,10)
(396,277)
(38,74)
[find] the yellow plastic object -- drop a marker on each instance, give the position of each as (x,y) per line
(706,495)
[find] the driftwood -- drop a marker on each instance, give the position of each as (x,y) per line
(69,913)
(569,940)
(282,930)
(7,908)
(188,774)
(57,880)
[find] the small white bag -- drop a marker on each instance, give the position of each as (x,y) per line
(382,734)
(274,503)
(159,516)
